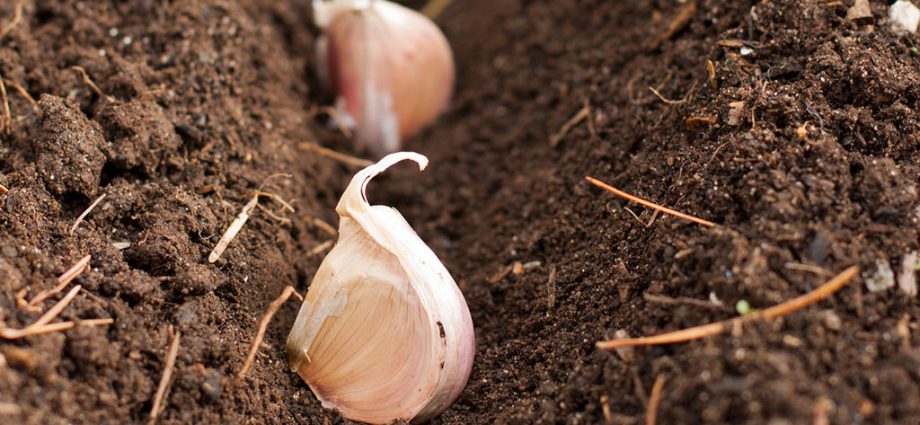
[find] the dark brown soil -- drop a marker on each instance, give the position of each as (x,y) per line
(805,150)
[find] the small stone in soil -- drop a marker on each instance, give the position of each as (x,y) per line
(860,11)
(905,17)
(213,385)
(882,278)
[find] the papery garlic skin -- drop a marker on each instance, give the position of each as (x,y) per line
(384,333)
(391,68)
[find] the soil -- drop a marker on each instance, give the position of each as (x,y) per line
(801,142)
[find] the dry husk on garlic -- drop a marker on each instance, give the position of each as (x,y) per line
(391,68)
(384,333)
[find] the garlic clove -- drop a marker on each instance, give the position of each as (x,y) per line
(391,68)
(384,333)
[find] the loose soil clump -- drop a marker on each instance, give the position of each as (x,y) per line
(789,125)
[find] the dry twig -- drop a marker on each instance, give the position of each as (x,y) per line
(501,274)
(22,92)
(21,302)
(42,326)
(263,325)
(55,310)
(605,409)
(88,81)
(680,21)
(320,248)
(168,368)
(276,217)
(716,328)
(17,18)
(582,114)
(7,333)
(907,281)
(664,99)
(7,114)
(338,156)
(434,8)
(809,268)
(713,82)
(86,213)
(275,198)
(63,281)
(661,299)
(233,229)
(272,177)
(323,225)
(651,417)
(651,221)
(649,204)
(687,97)
(334,114)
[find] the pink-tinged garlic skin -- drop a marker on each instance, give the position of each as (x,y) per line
(384,333)
(391,68)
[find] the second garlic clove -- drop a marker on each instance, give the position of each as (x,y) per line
(384,333)
(391,68)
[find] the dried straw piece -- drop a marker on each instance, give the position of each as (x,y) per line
(651,417)
(319,249)
(649,204)
(22,92)
(233,229)
(237,224)
(7,115)
(86,213)
(17,18)
(580,116)
(323,225)
(698,332)
(56,309)
(42,326)
(63,281)
(158,398)
(88,81)
(434,8)
(7,333)
(677,24)
(338,156)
